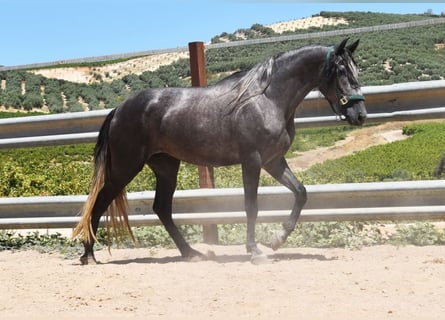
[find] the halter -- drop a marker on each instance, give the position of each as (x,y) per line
(343,100)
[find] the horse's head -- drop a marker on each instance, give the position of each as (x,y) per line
(340,84)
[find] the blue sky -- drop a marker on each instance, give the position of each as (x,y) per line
(34,31)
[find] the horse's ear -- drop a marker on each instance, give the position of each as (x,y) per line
(353,46)
(341,47)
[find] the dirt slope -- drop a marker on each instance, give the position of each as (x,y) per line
(357,140)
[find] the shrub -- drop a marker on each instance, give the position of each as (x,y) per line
(32,100)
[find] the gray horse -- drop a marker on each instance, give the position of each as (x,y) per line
(246,118)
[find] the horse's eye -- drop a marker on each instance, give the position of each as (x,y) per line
(341,70)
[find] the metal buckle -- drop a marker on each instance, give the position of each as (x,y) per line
(344,100)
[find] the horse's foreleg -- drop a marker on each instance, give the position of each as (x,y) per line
(182,245)
(251,173)
(281,172)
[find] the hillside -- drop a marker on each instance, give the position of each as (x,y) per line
(392,56)
(115,71)
(110,72)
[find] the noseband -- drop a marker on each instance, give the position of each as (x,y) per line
(343,101)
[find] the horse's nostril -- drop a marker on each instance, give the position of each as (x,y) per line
(362,117)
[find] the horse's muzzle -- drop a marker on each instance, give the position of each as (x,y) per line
(356,115)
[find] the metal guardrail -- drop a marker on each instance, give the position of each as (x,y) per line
(386,99)
(405,101)
(405,200)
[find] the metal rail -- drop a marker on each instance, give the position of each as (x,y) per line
(406,200)
(406,101)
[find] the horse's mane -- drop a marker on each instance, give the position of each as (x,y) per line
(250,83)
(254,82)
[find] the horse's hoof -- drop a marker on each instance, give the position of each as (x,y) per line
(195,256)
(87,259)
(210,255)
(277,241)
(258,259)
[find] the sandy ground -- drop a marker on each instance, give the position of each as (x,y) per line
(381,282)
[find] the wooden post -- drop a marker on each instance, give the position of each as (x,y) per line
(198,70)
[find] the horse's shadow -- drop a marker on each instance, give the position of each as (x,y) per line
(224,259)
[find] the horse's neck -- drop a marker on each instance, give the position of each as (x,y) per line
(297,74)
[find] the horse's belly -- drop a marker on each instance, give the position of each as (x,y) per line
(203,142)
(205,154)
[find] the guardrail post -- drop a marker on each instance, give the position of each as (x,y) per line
(198,71)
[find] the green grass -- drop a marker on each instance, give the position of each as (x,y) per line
(5,115)
(414,158)
(353,235)
(45,171)
(311,138)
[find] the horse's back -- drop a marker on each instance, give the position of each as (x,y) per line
(182,122)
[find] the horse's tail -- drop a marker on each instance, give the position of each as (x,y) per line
(117,211)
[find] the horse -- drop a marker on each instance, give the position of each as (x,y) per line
(246,118)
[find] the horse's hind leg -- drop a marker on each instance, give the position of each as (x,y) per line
(281,172)
(104,199)
(121,173)
(166,169)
